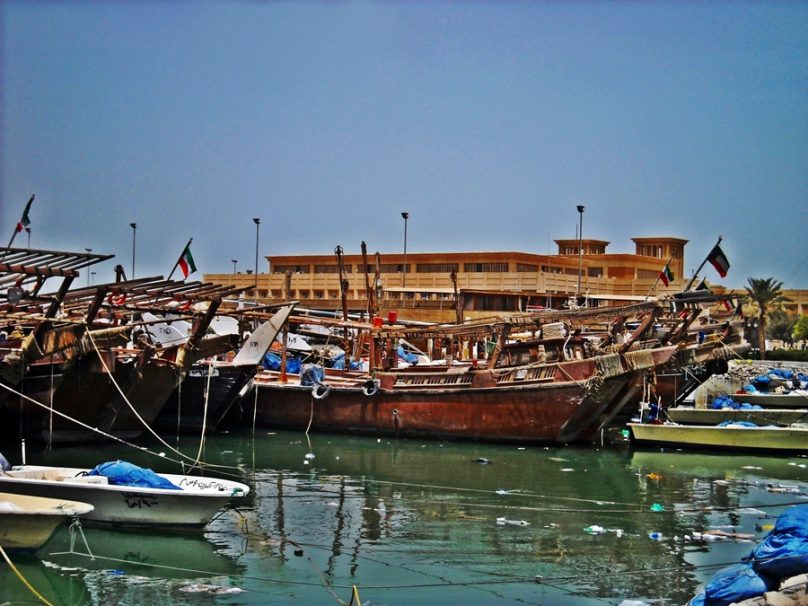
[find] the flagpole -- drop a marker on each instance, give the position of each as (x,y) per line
(24,214)
(653,286)
(703,263)
(177,264)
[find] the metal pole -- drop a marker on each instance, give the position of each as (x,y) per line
(580,245)
(257,224)
(405,216)
(89,250)
(28,231)
(134,234)
(234,261)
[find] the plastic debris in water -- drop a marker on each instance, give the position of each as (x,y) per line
(594,529)
(655,536)
(503,521)
(309,455)
(653,476)
(657,507)
(482,461)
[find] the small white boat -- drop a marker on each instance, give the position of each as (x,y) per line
(193,503)
(714,416)
(797,398)
(731,437)
(28,522)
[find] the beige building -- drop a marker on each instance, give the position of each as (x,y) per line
(423,285)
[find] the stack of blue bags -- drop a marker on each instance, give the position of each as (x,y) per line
(782,554)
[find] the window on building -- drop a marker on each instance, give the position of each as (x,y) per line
(526,267)
(319,293)
(594,272)
(326,269)
(295,269)
(435,268)
(391,268)
(485,267)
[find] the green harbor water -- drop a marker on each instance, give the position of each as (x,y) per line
(420,522)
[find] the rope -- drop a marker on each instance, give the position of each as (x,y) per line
(24,581)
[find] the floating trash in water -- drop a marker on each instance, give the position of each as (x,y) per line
(504,521)
(310,455)
(481,461)
(567,469)
(655,536)
(653,476)
(594,529)
(657,507)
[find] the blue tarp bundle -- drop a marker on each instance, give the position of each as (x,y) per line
(311,374)
(724,402)
(782,554)
(272,361)
(784,551)
(122,473)
(761,381)
(737,424)
(339,363)
(782,373)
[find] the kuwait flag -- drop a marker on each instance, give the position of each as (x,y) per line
(187,264)
(719,260)
(25,221)
(666,275)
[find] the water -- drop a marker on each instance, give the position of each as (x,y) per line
(418,522)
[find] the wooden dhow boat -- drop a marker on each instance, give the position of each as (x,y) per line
(562,385)
(27,523)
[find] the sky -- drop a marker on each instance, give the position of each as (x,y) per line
(488,122)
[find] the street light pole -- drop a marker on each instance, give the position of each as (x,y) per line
(89,250)
(234,261)
(257,222)
(405,216)
(134,233)
(28,231)
(580,245)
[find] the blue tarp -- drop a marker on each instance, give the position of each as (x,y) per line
(734,584)
(272,361)
(311,374)
(338,362)
(737,424)
(784,551)
(122,473)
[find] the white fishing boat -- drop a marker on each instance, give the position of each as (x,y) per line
(797,398)
(192,501)
(760,416)
(729,437)
(27,523)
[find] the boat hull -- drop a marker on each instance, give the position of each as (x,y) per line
(779,439)
(772,400)
(557,412)
(27,523)
(707,416)
(193,506)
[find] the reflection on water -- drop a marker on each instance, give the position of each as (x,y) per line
(430,522)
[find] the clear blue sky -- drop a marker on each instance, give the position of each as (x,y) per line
(487,121)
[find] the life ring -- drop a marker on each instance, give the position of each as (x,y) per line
(320,391)
(116,300)
(370,387)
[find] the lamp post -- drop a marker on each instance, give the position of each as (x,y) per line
(580,245)
(134,233)
(92,274)
(88,250)
(28,231)
(257,222)
(405,216)
(234,261)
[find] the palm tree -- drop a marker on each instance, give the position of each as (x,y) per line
(765,292)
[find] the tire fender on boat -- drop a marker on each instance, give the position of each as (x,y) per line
(320,391)
(370,387)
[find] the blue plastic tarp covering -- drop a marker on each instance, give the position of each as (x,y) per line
(724,402)
(272,361)
(338,363)
(748,424)
(122,473)
(407,357)
(311,374)
(784,551)
(734,584)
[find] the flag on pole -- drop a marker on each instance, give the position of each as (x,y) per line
(719,260)
(25,221)
(186,261)
(666,275)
